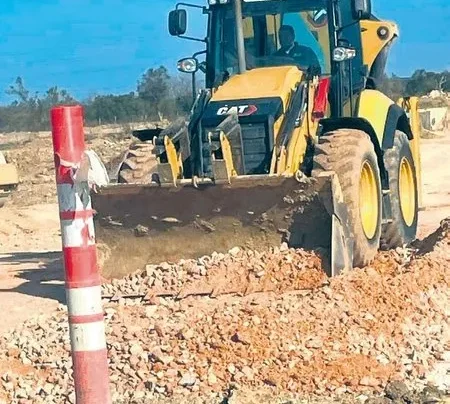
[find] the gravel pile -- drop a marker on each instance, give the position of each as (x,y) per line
(239,272)
(384,329)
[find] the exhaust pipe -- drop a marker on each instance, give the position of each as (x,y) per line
(240,36)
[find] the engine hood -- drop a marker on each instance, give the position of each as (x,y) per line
(267,82)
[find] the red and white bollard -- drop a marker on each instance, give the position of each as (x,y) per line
(83,283)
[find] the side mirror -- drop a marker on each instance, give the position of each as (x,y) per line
(177,22)
(320,17)
(342,53)
(188,65)
(362,9)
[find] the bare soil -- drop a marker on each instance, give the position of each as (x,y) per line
(29,224)
(31,272)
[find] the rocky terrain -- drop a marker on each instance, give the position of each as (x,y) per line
(242,327)
(293,332)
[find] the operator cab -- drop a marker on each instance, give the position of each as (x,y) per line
(255,51)
(321,37)
(275,34)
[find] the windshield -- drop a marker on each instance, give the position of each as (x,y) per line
(275,33)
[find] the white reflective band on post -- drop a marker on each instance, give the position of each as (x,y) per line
(78,232)
(88,336)
(69,201)
(84,301)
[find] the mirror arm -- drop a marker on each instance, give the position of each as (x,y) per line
(198,53)
(190,5)
(190,38)
(205,11)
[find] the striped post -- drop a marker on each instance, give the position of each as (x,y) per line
(83,284)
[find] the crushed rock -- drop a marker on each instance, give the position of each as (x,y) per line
(365,336)
(237,272)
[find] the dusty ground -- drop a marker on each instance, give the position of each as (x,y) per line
(436,183)
(31,276)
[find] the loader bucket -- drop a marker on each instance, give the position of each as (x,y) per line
(149,224)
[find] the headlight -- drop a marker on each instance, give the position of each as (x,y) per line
(187,65)
(340,54)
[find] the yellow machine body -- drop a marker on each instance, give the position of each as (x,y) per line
(185,215)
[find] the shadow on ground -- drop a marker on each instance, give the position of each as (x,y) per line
(427,244)
(40,274)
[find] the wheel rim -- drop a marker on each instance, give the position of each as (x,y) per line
(406,189)
(368,200)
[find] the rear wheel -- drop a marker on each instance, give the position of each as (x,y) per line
(138,165)
(140,162)
(351,155)
(400,166)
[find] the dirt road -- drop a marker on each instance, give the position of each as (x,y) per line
(436,183)
(31,273)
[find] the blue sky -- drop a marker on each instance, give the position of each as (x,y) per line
(103,46)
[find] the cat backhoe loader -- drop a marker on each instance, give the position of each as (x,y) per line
(291,140)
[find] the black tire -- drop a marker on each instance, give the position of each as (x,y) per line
(399,232)
(138,165)
(346,152)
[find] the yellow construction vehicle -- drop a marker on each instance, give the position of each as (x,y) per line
(9,179)
(291,140)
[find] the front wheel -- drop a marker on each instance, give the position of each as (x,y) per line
(351,155)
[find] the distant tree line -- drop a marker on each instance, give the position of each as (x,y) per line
(157,95)
(419,84)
